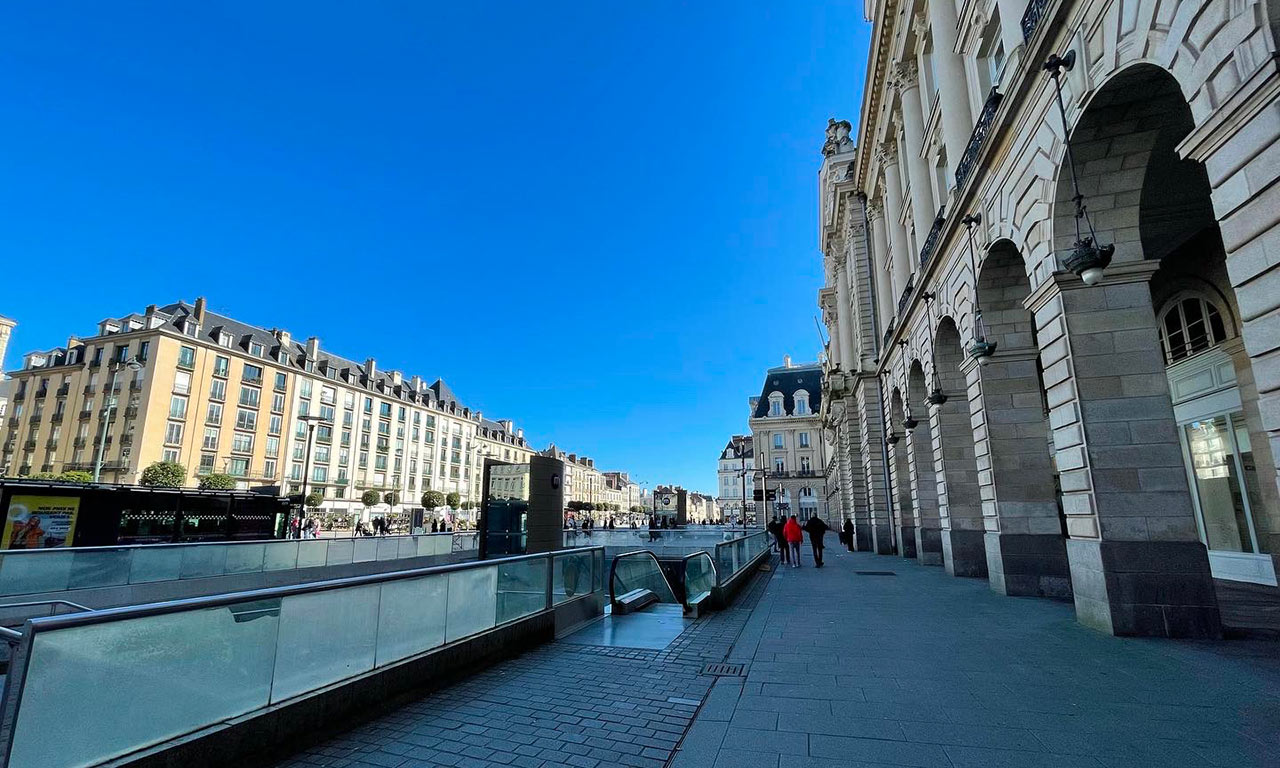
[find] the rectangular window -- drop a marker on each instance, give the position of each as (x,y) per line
(269,468)
(326,412)
(210,439)
(282,382)
(238,467)
(348,400)
(273,446)
(249,396)
(277,403)
(144,351)
(368,405)
(322,454)
(379,462)
(177,407)
(429,437)
(173,433)
(218,390)
(256,349)
(221,366)
(777,441)
(214,414)
(384,410)
(246,419)
(364,460)
(328,395)
(242,442)
(206,463)
(319,474)
(187,357)
(252,374)
(273,425)
(804,439)
(169,454)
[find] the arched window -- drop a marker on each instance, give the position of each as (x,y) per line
(802,403)
(775,404)
(1190,325)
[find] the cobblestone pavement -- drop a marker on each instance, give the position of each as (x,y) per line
(556,705)
(922,669)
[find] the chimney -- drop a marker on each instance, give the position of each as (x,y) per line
(416,383)
(397,378)
(786,361)
(520,433)
(199,312)
(370,368)
(479,416)
(151,310)
(573,458)
(313,348)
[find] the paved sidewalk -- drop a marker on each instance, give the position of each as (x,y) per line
(922,669)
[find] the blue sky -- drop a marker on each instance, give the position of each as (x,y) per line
(596,218)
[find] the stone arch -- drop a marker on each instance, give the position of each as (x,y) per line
(900,477)
(954,451)
(1026,553)
(924,478)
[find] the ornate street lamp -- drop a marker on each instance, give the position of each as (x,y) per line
(1088,258)
(909,423)
(890,437)
(980,349)
(936,396)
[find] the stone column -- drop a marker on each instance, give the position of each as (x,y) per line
(885,301)
(953,86)
(874,529)
(923,207)
(898,246)
(844,318)
(1138,566)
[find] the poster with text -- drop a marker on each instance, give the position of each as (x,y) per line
(39,522)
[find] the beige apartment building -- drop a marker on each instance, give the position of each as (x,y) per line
(182,383)
(790,458)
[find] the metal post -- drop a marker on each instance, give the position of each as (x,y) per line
(106,422)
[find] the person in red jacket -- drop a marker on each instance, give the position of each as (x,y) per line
(794,535)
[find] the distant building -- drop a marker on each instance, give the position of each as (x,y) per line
(736,474)
(790,457)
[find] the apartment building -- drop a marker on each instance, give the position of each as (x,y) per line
(735,474)
(787,434)
(182,383)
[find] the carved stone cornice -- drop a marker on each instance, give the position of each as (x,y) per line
(887,153)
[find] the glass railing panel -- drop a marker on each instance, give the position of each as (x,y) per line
(340,552)
(325,637)
(388,548)
(699,577)
(312,554)
(597,571)
(184,670)
(572,576)
(22,574)
(280,556)
(407,546)
(201,560)
(246,558)
(640,571)
(472,603)
(522,589)
(366,550)
(411,617)
(155,564)
(99,568)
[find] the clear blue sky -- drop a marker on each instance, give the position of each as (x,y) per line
(597,218)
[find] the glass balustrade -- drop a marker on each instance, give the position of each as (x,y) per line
(26,572)
(194,663)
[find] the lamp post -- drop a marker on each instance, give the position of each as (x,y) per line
(108,405)
(311,421)
(981,349)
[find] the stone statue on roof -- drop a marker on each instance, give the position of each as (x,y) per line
(837,137)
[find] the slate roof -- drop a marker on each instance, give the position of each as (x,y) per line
(788,381)
(737,444)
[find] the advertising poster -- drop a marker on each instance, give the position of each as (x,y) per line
(666,502)
(38,522)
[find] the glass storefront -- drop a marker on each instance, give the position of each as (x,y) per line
(1225,478)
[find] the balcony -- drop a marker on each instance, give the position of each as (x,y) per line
(14,421)
(64,390)
(126,440)
(89,388)
(905,298)
(85,414)
(135,385)
(34,419)
(931,242)
(24,470)
(979,136)
(42,392)
(29,445)
(131,412)
(56,418)
(1032,16)
(111,389)
(79,442)
(51,445)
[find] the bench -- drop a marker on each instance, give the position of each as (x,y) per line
(634,600)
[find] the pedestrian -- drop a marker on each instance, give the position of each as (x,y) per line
(794,536)
(848,533)
(775,527)
(816,529)
(653,528)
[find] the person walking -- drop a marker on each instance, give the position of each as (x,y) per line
(653,528)
(816,529)
(775,527)
(848,533)
(794,536)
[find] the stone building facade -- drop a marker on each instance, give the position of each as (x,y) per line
(1051,294)
(735,479)
(788,446)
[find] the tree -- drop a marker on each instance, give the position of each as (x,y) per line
(369,498)
(76,476)
(217,482)
(391,497)
(164,474)
(453,499)
(42,476)
(432,499)
(636,509)
(468,505)
(314,500)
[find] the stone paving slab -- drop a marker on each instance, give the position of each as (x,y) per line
(923,669)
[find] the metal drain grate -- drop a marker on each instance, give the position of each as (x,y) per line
(724,670)
(875,573)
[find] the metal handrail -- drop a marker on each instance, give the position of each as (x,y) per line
(13,636)
(684,569)
(613,569)
(175,544)
(103,615)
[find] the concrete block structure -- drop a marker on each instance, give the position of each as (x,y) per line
(1051,294)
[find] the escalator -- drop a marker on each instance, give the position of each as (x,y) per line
(639,579)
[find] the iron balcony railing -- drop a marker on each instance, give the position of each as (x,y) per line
(931,242)
(1032,16)
(979,137)
(905,298)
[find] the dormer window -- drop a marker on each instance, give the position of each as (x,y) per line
(224,339)
(256,349)
(801,403)
(775,404)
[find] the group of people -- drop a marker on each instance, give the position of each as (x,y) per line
(789,535)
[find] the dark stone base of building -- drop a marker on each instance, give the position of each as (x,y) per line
(1145,588)
(1028,565)
(906,541)
(863,541)
(929,545)
(882,539)
(965,553)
